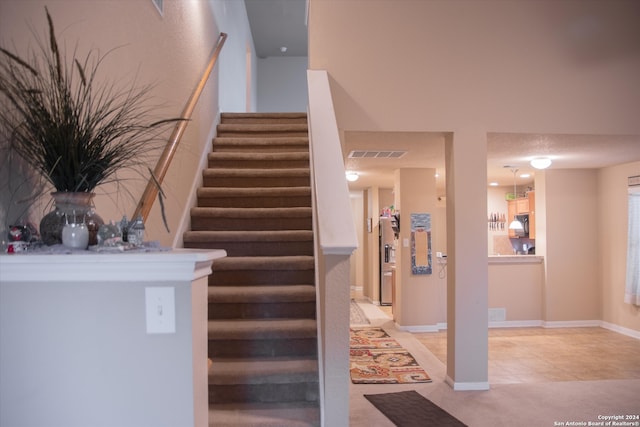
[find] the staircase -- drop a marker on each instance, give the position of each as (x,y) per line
(256,204)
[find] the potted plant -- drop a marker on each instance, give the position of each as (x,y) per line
(73,129)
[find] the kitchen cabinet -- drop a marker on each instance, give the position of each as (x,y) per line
(523,205)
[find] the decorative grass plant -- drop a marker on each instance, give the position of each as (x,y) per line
(73,128)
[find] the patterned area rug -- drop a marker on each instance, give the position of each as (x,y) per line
(356,315)
(376,358)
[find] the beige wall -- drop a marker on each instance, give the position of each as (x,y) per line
(421,299)
(572,285)
(169,52)
(612,236)
(518,289)
(475,67)
(357,260)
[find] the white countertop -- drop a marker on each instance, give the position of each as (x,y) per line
(506,259)
(515,259)
(172,264)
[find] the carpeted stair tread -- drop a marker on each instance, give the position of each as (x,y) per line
(289,414)
(261,329)
(230,141)
(263,370)
(252,117)
(256,203)
(275,157)
(253,191)
(216,212)
(262,294)
(262,127)
(299,262)
(249,236)
(261,173)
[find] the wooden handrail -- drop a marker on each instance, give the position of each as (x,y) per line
(151,192)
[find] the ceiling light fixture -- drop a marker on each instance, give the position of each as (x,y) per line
(283,49)
(541,162)
(515,224)
(352,176)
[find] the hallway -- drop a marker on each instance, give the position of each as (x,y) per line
(538,376)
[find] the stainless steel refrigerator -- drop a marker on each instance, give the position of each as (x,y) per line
(388,230)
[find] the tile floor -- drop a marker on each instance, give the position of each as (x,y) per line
(534,355)
(529,355)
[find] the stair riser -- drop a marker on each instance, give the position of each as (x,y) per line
(255,202)
(266,393)
(238,349)
(257,164)
(295,310)
(255,181)
(261,277)
(254,224)
(256,248)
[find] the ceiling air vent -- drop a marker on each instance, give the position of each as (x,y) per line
(367,154)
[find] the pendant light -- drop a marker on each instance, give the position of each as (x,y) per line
(515,224)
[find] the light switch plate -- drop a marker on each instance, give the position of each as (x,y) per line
(160,305)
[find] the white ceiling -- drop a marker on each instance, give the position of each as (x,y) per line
(426,150)
(277,23)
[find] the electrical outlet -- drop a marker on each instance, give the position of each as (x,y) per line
(160,305)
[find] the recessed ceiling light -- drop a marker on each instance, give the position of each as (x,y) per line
(493,184)
(283,49)
(525,175)
(541,162)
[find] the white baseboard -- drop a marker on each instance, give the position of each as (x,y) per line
(418,329)
(461,386)
(516,324)
(620,329)
(572,324)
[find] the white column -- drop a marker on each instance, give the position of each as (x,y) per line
(467,285)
